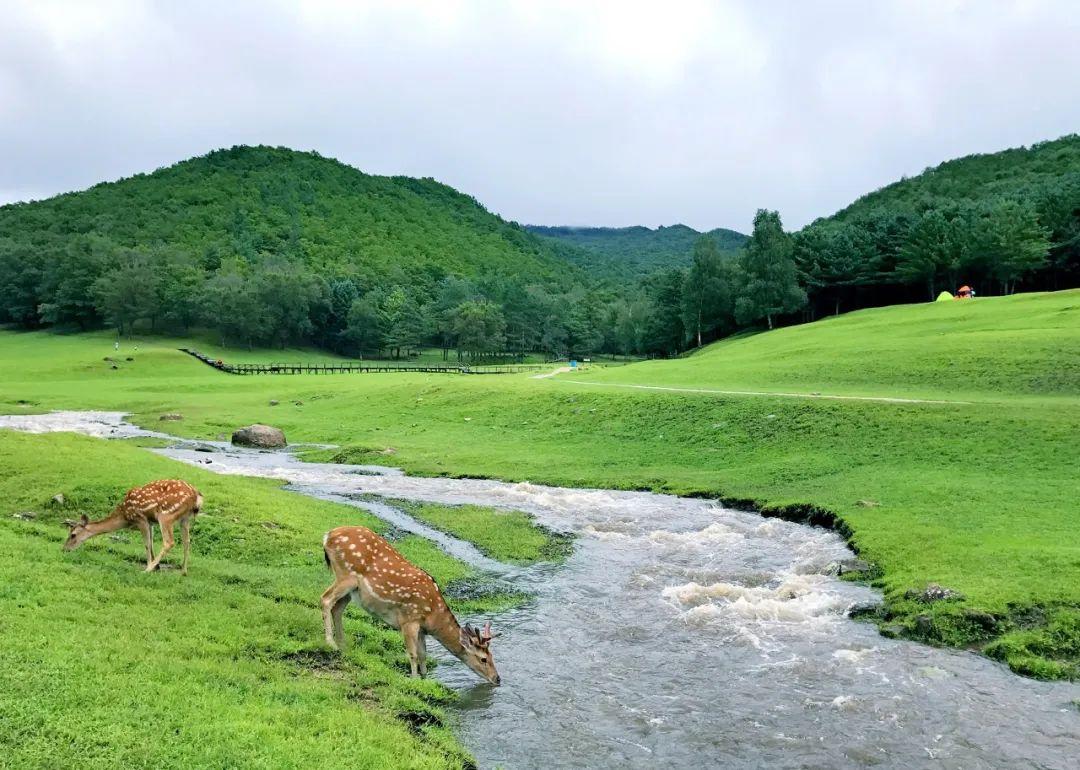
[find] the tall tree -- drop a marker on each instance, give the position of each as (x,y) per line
(706,297)
(232,306)
(1012,242)
(665,332)
(935,249)
(770,281)
(363,331)
(480,327)
(128,292)
(21,269)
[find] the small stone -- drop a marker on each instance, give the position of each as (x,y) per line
(24,515)
(59,499)
(171,416)
(273,402)
(205,448)
(129,358)
(933,593)
(863,609)
(468,419)
(868,504)
(298,403)
(114,366)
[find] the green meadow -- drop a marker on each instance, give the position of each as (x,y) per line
(102,665)
(974,488)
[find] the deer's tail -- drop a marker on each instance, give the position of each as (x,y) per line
(325,553)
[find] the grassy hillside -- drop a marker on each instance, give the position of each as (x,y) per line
(632,252)
(258,202)
(978,496)
(227,663)
(983,350)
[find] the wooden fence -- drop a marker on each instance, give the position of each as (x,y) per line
(342,367)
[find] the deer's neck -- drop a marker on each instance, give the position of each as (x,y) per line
(444,627)
(108,524)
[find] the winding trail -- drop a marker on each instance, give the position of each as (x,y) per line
(880,399)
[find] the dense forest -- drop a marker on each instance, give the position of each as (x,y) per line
(270,246)
(632,253)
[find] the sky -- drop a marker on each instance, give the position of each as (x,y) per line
(558,112)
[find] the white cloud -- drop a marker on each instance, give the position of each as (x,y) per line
(557,112)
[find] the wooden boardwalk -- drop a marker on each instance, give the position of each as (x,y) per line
(344,367)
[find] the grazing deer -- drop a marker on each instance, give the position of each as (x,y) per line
(166,502)
(383,582)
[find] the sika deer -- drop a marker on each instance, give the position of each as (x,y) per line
(165,502)
(383,582)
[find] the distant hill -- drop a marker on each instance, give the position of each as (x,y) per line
(998,222)
(1028,172)
(263,202)
(631,252)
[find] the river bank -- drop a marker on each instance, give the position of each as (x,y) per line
(604,666)
(975,497)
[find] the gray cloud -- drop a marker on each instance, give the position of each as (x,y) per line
(552,113)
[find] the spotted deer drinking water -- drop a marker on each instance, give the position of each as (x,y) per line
(382,581)
(165,502)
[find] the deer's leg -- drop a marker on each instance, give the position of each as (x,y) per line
(334,601)
(185,536)
(421,644)
(411,632)
(167,542)
(147,530)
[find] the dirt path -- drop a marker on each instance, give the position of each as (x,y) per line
(560,370)
(881,399)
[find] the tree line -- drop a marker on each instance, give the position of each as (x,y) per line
(290,265)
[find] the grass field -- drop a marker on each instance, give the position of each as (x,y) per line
(978,496)
(511,537)
(102,665)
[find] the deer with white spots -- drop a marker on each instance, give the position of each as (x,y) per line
(165,502)
(370,571)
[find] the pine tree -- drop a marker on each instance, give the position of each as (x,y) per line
(770,281)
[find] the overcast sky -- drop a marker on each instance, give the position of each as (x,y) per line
(612,113)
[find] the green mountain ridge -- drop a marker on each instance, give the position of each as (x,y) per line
(633,252)
(1017,170)
(260,202)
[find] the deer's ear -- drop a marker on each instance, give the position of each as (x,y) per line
(84,520)
(465,636)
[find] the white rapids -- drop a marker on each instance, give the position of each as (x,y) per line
(684,634)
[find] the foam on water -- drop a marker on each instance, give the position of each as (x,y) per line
(683,634)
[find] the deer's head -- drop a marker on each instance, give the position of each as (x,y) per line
(79,533)
(478,653)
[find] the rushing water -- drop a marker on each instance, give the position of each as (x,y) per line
(683,634)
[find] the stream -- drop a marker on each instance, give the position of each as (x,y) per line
(681,633)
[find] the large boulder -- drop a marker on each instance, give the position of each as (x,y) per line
(260,437)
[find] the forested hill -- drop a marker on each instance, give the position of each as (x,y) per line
(1019,171)
(268,245)
(262,202)
(632,252)
(997,222)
